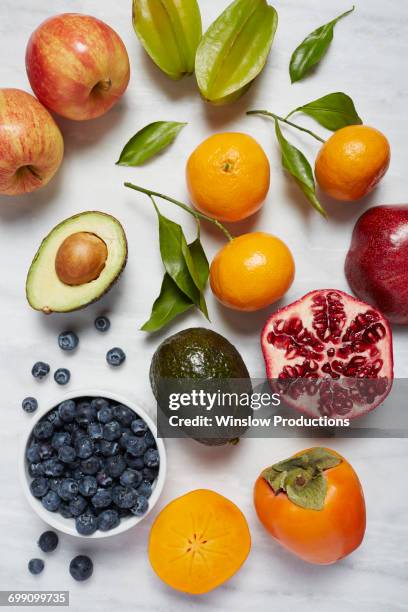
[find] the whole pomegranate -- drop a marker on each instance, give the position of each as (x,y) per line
(329,354)
(377,262)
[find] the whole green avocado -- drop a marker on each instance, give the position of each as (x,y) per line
(198,354)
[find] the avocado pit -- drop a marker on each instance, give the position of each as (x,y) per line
(81,258)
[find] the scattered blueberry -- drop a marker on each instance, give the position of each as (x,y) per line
(139,427)
(86,524)
(145,489)
(108,519)
(90,466)
(151,458)
(48,541)
(102,324)
(51,501)
(115,357)
(68,341)
(35,566)
(140,507)
(67,411)
(77,505)
(102,498)
(40,369)
(88,486)
(29,405)
(66,454)
(43,430)
(131,478)
(81,568)
(112,431)
(68,489)
(62,376)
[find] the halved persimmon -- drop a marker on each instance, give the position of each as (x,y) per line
(198,541)
(313,504)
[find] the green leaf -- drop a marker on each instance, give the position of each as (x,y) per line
(169,31)
(170,303)
(200,263)
(334,111)
(173,250)
(198,267)
(312,49)
(297,165)
(234,50)
(149,141)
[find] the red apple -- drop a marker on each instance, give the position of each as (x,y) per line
(31,144)
(377,262)
(77,66)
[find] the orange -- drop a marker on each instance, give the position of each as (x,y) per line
(252,271)
(228,176)
(352,161)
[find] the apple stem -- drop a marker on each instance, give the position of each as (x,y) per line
(104,85)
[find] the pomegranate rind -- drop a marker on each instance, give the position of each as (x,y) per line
(322,321)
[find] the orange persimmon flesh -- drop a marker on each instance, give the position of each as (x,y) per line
(198,541)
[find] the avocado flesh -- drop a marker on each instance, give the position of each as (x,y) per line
(199,354)
(44,289)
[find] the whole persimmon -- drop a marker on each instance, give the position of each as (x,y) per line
(313,504)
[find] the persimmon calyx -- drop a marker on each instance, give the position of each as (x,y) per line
(302,478)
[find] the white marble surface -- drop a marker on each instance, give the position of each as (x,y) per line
(367,60)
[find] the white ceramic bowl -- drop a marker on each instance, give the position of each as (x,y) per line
(68,525)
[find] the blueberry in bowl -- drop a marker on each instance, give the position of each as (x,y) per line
(92,465)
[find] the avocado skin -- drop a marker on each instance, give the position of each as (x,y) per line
(197,353)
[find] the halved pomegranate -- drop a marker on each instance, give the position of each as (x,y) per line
(329,354)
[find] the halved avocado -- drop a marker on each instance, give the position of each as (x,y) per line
(77,263)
